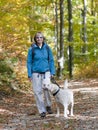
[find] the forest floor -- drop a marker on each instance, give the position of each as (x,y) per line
(19,112)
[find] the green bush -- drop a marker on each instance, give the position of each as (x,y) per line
(5,68)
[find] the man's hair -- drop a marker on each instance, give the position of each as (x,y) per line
(37,34)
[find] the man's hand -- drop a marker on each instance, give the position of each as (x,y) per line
(52,79)
(30,79)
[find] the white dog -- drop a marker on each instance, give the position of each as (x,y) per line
(63,96)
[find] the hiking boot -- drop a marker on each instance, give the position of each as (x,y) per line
(48,108)
(43,115)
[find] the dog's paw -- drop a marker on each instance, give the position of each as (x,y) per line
(71,115)
(67,112)
(57,115)
(65,116)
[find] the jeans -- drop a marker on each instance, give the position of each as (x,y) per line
(42,96)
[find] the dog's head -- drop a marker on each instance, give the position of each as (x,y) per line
(54,88)
(46,83)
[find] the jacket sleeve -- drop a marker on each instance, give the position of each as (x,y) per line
(29,63)
(51,62)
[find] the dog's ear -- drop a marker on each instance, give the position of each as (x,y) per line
(66,84)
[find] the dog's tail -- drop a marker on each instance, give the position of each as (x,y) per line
(66,84)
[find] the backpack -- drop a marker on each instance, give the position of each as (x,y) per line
(47,47)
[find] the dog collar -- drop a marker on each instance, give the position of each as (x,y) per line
(56,92)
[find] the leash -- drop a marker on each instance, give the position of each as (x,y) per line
(54,82)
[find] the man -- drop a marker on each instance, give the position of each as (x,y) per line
(40,65)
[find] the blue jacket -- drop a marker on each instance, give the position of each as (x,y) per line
(41,61)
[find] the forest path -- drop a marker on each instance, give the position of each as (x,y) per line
(18,112)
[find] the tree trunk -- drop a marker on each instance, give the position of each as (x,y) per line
(70,38)
(84,30)
(56,30)
(61,59)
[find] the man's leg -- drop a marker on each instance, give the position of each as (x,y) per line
(38,92)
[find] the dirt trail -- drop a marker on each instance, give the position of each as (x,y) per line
(19,112)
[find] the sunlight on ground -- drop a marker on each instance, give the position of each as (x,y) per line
(87,90)
(89,86)
(85,117)
(4,111)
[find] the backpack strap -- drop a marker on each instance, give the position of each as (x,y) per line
(47,47)
(32,45)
